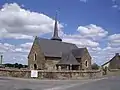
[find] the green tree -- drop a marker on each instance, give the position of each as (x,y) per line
(20,66)
(16,65)
(95,66)
(8,65)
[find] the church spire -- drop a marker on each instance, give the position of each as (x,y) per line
(55,34)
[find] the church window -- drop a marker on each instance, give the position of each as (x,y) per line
(86,63)
(35,56)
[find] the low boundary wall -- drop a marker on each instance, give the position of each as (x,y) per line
(42,74)
(113,72)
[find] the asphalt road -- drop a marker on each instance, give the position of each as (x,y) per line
(108,83)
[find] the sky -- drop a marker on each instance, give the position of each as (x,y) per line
(94,24)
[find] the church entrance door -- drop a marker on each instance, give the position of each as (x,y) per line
(35,67)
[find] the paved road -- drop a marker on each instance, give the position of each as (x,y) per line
(108,83)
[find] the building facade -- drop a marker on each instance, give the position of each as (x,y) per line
(53,54)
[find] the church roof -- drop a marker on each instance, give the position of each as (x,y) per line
(53,48)
(68,58)
(79,52)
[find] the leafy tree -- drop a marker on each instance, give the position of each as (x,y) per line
(95,66)
(20,66)
(8,65)
(16,65)
(25,66)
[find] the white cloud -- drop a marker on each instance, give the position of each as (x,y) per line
(15,53)
(26,45)
(105,54)
(114,40)
(83,1)
(18,23)
(113,0)
(115,6)
(18,49)
(92,31)
(6,47)
(88,36)
(112,50)
(16,57)
(95,49)
(81,42)
(114,37)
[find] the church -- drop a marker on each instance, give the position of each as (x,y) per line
(53,54)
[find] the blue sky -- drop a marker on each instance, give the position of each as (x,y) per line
(99,17)
(74,13)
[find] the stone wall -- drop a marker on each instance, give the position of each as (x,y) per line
(113,72)
(86,58)
(40,59)
(52,74)
(15,73)
(51,62)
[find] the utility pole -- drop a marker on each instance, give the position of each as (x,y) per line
(1,59)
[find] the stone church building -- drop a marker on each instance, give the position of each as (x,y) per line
(53,54)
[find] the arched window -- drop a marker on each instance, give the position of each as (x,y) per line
(35,56)
(86,63)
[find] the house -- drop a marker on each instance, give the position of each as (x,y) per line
(50,54)
(114,63)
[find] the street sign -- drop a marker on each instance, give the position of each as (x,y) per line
(34,73)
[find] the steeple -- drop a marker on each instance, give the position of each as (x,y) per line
(55,34)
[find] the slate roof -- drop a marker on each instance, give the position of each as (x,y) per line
(68,58)
(116,57)
(53,48)
(79,52)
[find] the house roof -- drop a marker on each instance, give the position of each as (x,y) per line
(54,48)
(68,58)
(107,62)
(114,58)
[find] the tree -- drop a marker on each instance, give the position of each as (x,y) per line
(9,65)
(25,66)
(95,66)
(20,66)
(16,65)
